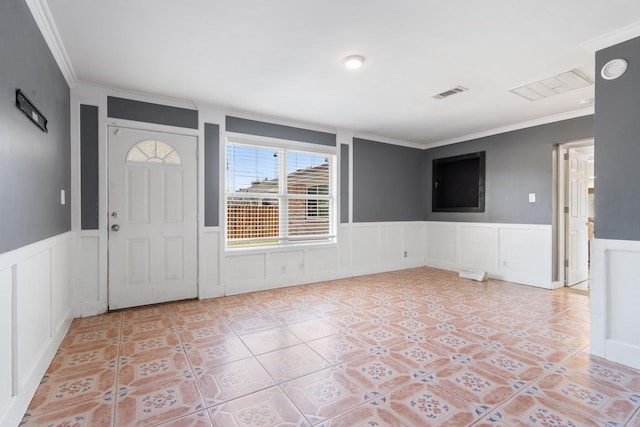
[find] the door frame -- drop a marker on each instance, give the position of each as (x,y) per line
(149,127)
(559,215)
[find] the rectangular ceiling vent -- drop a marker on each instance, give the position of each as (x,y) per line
(448,93)
(565,82)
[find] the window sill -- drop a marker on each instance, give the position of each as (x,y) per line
(279,248)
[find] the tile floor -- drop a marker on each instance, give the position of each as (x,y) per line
(410,348)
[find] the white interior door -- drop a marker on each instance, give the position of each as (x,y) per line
(152,217)
(577,241)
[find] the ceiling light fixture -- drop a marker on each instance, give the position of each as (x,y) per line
(354,62)
(613,69)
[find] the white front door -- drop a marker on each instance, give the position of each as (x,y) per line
(577,219)
(152,217)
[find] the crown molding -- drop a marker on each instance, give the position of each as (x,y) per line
(44,19)
(516,126)
(612,38)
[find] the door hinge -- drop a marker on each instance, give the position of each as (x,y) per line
(566,156)
(566,263)
(197,152)
(566,209)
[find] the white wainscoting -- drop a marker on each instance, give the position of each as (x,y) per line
(362,248)
(615,292)
(209,266)
(36,309)
(381,246)
(518,253)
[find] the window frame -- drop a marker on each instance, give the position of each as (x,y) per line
(283,197)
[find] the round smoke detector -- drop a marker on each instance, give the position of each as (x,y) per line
(613,69)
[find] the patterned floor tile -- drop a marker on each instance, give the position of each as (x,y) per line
(266,408)
(313,329)
(339,348)
(205,332)
(199,419)
(535,349)
(269,340)
(509,365)
(57,392)
(613,375)
(292,362)
(161,344)
(423,403)
(148,327)
(102,321)
(227,382)
(74,359)
(635,420)
(534,410)
(158,402)
(421,357)
(151,367)
(216,351)
(141,313)
(367,414)
(252,322)
(98,413)
(476,385)
(92,336)
(377,374)
(191,306)
(195,320)
(590,397)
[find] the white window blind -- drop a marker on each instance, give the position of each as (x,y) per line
(278,196)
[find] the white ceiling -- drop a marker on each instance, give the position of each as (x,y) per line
(283,58)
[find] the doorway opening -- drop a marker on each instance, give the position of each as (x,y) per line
(575,213)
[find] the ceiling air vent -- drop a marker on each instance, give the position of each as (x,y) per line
(448,93)
(551,86)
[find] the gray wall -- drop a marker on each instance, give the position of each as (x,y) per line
(34,166)
(517,163)
(387,184)
(211,174)
(89,163)
(130,109)
(272,130)
(617,146)
(344,183)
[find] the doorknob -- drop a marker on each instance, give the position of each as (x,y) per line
(115,227)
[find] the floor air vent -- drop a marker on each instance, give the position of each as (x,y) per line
(448,93)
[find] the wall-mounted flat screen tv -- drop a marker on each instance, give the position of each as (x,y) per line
(458,183)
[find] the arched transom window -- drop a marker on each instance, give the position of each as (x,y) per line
(153,152)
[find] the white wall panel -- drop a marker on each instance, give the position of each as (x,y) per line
(285,264)
(61,291)
(520,253)
(88,268)
(33,311)
(623,278)
(478,247)
(321,260)
(413,242)
(365,246)
(615,268)
(6,324)
(391,244)
(525,256)
(210,265)
(244,273)
(441,245)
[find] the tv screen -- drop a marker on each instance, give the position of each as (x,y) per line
(458,183)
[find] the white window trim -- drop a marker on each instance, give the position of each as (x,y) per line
(275,143)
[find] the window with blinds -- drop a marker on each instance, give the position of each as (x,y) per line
(278,196)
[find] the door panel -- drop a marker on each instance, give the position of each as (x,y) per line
(577,221)
(152,217)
